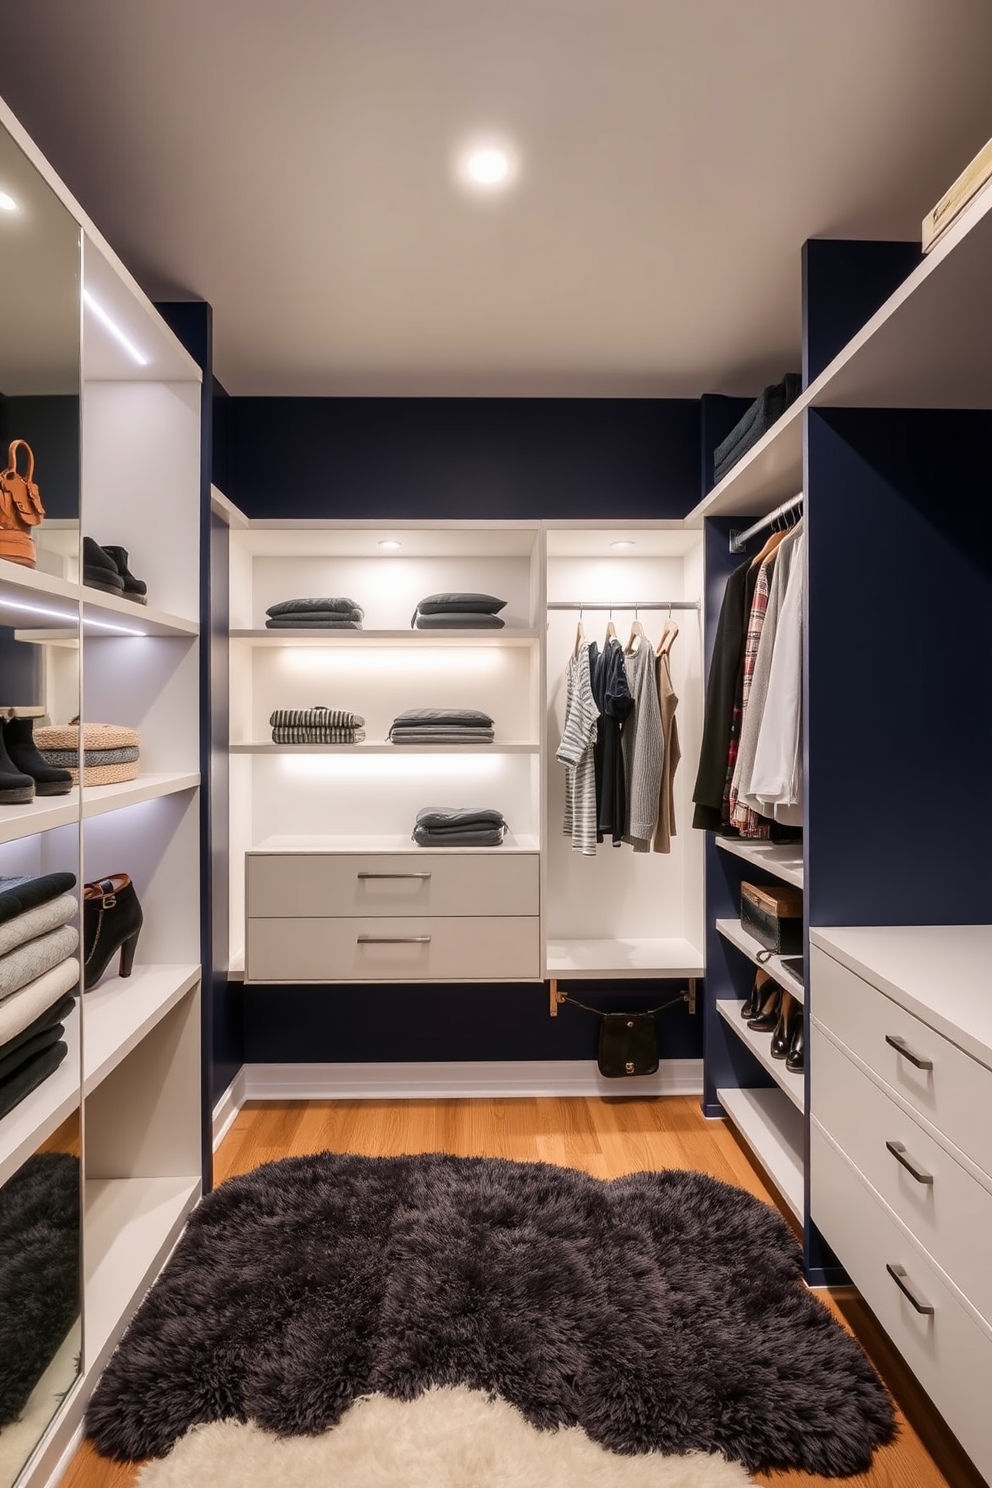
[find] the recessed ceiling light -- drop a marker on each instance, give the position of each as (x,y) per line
(623,542)
(486,166)
(389,542)
(7,203)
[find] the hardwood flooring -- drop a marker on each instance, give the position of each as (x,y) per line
(605,1137)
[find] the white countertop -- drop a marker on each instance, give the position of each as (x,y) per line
(941,973)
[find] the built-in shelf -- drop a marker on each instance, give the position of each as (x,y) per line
(39,815)
(23,1129)
(731,930)
(120,1011)
(324,843)
(759,1043)
(131,1225)
(766,475)
(773,1129)
(781,860)
(98,799)
(623,958)
(467,637)
(498,747)
(41,606)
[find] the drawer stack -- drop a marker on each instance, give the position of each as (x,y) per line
(392,917)
(901,1177)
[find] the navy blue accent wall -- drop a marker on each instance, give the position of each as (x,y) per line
(223,441)
(717,416)
(899,515)
(50,424)
(844,283)
(484,458)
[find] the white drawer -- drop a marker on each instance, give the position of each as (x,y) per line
(393,950)
(951,1215)
(947,1351)
(299,885)
(954,1093)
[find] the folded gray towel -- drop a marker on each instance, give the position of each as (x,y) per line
(467,716)
(29,961)
(456,621)
(482,604)
(468,837)
(441,736)
(441,818)
(38,921)
(344,607)
(311,622)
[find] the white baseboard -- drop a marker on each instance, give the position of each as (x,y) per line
(227,1108)
(453,1080)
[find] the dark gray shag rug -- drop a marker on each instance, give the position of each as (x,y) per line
(661,1311)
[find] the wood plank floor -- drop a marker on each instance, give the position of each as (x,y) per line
(605,1137)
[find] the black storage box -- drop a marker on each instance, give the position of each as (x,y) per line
(773,914)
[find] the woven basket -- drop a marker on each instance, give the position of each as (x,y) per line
(98,738)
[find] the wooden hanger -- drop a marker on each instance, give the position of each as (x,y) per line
(580,635)
(768,549)
(668,635)
(636,632)
(611,630)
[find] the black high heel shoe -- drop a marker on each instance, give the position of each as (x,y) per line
(18,738)
(795,1060)
(786,1026)
(751,1005)
(766,1017)
(135,589)
(112,920)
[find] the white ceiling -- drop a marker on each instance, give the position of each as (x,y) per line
(290,163)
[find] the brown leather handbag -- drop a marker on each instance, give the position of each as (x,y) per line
(20,508)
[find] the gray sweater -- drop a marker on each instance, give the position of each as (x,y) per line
(643,749)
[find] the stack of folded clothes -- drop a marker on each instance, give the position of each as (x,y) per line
(458,612)
(441,726)
(316,726)
(110,751)
(39,968)
(315,614)
(758,419)
(459,826)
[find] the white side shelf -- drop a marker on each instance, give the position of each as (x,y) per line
(30,597)
(98,799)
(623,958)
(131,1225)
(121,1011)
(773,1129)
(782,860)
(24,1128)
(760,1045)
(731,930)
(771,471)
(391,844)
(516,746)
(39,815)
(468,637)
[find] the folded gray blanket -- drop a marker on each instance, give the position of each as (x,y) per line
(318,736)
(468,837)
(31,960)
(468,716)
(37,921)
(456,621)
(26,892)
(756,421)
(480,604)
(346,608)
(311,622)
(317,717)
(441,818)
(441,736)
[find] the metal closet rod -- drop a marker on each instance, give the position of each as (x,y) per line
(739,539)
(625,604)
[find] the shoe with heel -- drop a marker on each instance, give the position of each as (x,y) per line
(112,921)
(765,1019)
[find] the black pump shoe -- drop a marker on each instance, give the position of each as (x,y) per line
(795,1060)
(112,920)
(751,1005)
(16,788)
(135,589)
(766,1017)
(49,780)
(786,1025)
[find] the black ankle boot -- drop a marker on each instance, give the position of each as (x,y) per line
(112,919)
(751,1005)
(100,570)
(766,1017)
(135,589)
(49,780)
(16,788)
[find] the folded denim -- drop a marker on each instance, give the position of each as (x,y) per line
(468,716)
(35,957)
(480,604)
(316,717)
(20,894)
(347,608)
(318,736)
(458,620)
(478,837)
(441,818)
(37,921)
(30,1075)
(311,622)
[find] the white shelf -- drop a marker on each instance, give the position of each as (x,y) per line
(498,747)
(766,475)
(468,637)
(760,1045)
(781,860)
(512,843)
(941,973)
(23,1129)
(120,1012)
(130,1225)
(39,815)
(41,605)
(623,958)
(773,1129)
(731,930)
(98,799)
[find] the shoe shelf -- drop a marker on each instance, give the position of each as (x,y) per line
(773,1129)
(781,860)
(41,606)
(121,1011)
(732,930)
(131,1225)
(407,637)
(517,746)
(98,799)
(39,815)
(759,1043)
(23,1129)
(621,958)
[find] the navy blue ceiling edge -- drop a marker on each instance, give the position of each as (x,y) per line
(844,283)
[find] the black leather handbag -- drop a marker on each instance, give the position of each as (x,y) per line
(628,1045)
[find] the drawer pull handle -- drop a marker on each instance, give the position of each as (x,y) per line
(901,1047)
(394,940)
(898,1274)
(901,1156)
(394,875)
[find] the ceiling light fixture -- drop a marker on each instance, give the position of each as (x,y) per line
(390,543)
(486,166)
(7,203)
(114,329)
(623,542)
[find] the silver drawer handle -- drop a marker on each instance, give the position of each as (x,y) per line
(901,1047)
(901,1156)
(394,940)
(394,875)
(898,1274)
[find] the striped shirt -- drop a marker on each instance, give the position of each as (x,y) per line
(576,753)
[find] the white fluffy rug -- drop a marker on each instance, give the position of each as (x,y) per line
(447,1438)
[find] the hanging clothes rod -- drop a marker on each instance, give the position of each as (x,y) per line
(625,604)
(738,540)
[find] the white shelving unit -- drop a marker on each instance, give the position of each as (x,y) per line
(759,1044)
(784,861)
(733,931)
(126,1099)
(773,1128)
